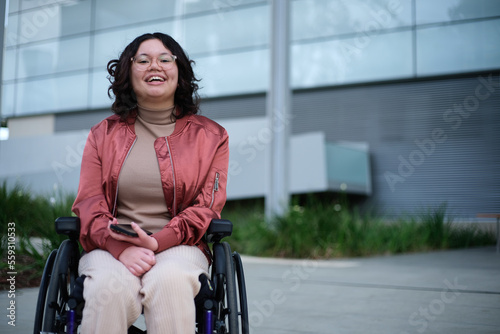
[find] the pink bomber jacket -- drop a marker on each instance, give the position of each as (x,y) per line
(193,163)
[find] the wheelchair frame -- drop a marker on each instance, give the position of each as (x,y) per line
(60,299)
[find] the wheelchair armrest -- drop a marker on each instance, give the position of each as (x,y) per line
(69,226)
(218,229)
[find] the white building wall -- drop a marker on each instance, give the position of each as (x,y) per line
(50,164)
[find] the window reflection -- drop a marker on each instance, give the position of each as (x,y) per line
(246,72)
(11,35)
(245,28)
(52,94)
(54,57)
(381,57)
(13,6)
(8,103)
(320,18)
(462,48)
(432,11)
(99,93)
(109,44)
(9,64)
(50,45)
(52,20)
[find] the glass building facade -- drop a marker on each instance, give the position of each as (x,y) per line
(56,51)
(415,81)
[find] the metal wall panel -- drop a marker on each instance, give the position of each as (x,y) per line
(234,107)
(431,142)
(79,120)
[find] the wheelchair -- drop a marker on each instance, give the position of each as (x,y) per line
(221,304)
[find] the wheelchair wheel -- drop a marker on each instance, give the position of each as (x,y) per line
(62,279)
(226,310)
(242,293)
(231,299)
(42,294)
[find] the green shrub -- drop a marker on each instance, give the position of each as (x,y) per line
(250,231)
(323,230)
(312,228)
(34,218)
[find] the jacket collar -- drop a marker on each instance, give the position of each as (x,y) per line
(180,123)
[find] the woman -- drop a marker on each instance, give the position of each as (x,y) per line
(159,166)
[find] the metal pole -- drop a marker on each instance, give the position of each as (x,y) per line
(278,104)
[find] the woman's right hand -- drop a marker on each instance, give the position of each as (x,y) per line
(138,260)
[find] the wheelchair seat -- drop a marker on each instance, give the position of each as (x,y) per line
(221,305)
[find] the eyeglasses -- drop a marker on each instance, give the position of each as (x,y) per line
(143,62)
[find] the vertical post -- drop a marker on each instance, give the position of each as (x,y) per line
(278,104)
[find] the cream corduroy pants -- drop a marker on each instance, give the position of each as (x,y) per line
(114,298)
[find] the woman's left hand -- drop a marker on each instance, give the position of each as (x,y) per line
(143,239)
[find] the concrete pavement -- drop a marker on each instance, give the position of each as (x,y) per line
(454,291)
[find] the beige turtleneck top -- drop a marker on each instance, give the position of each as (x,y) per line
(140,194)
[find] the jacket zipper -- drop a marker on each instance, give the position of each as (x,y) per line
(214,189)
(174,213)
(116,194)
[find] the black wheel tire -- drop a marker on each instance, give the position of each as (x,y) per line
(42,293)
(231,297)
(62,279)
(242,291)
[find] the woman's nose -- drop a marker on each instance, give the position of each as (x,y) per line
(154,65)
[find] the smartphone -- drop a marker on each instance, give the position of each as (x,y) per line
(127,229)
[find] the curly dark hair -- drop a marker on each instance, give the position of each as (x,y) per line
(186,96)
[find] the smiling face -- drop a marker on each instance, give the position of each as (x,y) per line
(154,84)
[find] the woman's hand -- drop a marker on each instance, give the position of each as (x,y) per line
(138,260)
(143,239)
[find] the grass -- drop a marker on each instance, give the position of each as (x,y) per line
(325,230)
(312,228)
(33,218)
